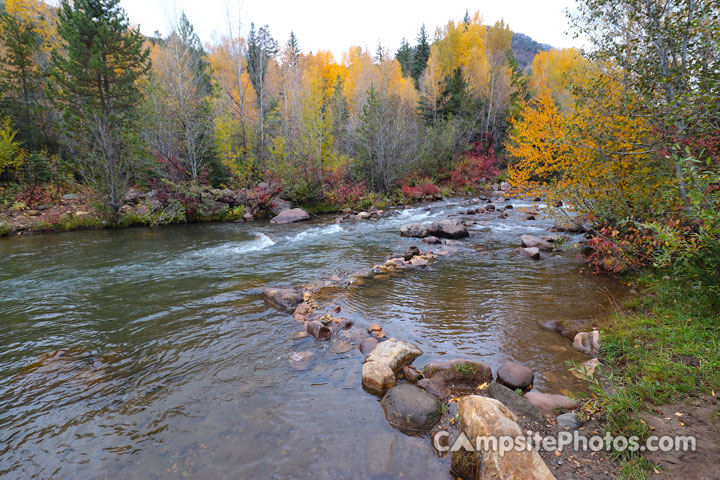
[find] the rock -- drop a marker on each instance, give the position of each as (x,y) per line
(514,375)
(375,327)
(395,354)
(570,420)
(519,405)
(394,262)
(341,346)
(530,217)
(490,208)
(587,369)
(248,217)
(411,252)
(318,330)
(291,216)
(485,417)
(570,328)
(419,262)
(283,298)
(367,345)
(71,196)
(587,342)
(300,360)
(417,230)
(569,227)
(448,229)
(362,216)
(302,312)
(505,187)
(456,377)
(410,408)
(531,241)
(410,373)
(277,205)
(549,402)
(533,253)
(377,377)
(432,240)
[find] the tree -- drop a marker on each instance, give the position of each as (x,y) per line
(95,83)
(261,48)
(404,56)
(421,55)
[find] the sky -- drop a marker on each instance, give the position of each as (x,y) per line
(336,25)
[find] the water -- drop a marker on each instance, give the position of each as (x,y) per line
(175,366)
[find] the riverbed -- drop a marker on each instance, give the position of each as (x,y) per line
(174,366)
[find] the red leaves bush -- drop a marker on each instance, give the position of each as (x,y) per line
(419,191)
(622,248)
(475,169)
(340,190)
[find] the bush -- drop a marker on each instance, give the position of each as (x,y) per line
(475,169)
(4,230)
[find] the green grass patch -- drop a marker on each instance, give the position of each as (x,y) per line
(662,348)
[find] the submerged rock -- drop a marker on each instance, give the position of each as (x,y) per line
(456,377)
(417,230)
(303,312)
(587,342)
(395,354)
(318,330)
(419,262)
(291,215)
(533,253)
(484,417)
(514,375)
(284,298)
(519,405)
(549,402)
(300,360)
(377,377)
(367,345)
(587,369)
(432,240)
(411,252)
(410,408)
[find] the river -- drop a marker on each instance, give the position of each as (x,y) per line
(176,367)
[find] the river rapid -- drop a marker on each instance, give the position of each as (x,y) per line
(175,367)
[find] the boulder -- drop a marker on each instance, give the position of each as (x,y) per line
(419,262)
(514,375)
(432,240)
(549,402)
(367,345)
(283,298)
(486,417)
(533,253)
(411,409)
(448,229)
(516,403)
(417,230)
(278,205)
(505,187)
(300,360)
(587,342)
(570,328)
(377,377)
(411,252)
(362,216)
(570,420)
(410,373)
(531,241)
(395,354)
(303,312)
(291,216)
(587,369)
(318,330)
(456,377)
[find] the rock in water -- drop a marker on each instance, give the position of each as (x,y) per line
(588,342)
(419,262)
(377,377)
(514,375)
(432,240)
(549,402)
(318,330)
(530,241)
(284,298)
(533,252)
(456,377)
(505,187)
(484,417)
(417,230)
(448,229)
(367,345)
(395,354)
(411,252)
(517,404)
(411,409)
(291,216)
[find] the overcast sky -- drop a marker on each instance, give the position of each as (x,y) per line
(336,25)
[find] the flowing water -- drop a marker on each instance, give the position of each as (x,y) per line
(176,367)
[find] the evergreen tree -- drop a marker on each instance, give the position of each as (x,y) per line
(95,85)
(191,42)
(261,48)
(404,56)
(466,19)
(421,55)
(292,51)
(379,53)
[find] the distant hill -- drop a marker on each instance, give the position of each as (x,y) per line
(525,48)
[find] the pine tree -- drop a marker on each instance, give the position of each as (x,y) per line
(421,55)
(379,53)
(261,48)
(292,51)
(466,19)
(404,56)
(95,84)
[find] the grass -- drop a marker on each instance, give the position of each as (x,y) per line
(662,348)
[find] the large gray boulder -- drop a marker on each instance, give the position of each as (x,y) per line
(518,405)
(514,375)
(417,230)
(410,408)
(283,298)
(395,354)
(531,241)
(448,229)
(485,417)
(291,215)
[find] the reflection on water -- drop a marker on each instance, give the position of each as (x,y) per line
(150,354)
